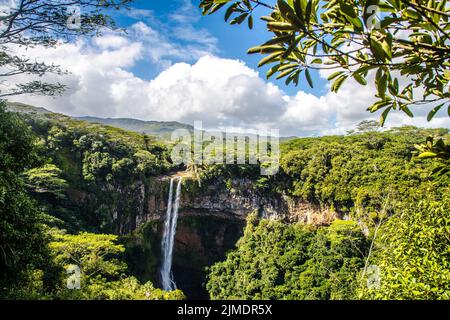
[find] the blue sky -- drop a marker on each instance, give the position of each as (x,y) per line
(233,40)
(173,64)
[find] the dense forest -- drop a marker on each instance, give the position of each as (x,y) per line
(62,179)
(42,232)
(98,208)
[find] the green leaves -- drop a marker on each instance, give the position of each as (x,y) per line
(381,47)
(285,9)
(280,26)
(413,249)
(335,74)
(21,219)
(439,150)
(239,19)
(360,79)
(242,10)
(351,15)
(250,22)
(427,154)
(434,111)
(356,37)
(384,116)
(211,6)
(338,82)
(270,58)
(229,12)
(46,180)
(265,49)
(270,248)
(308,78)
(381,83)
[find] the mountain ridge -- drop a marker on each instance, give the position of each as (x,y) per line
(159,129)
(150,127)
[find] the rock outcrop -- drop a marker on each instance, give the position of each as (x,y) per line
(233,202)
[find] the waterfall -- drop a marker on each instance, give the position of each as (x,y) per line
(170,226)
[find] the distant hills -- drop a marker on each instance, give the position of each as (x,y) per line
(159,129)
(153,128)
(25,108)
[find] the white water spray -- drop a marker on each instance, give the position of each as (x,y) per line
(170,226)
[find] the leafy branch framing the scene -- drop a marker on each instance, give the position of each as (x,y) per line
(436,150)
(404,42)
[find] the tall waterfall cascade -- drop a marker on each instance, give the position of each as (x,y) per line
(170,226)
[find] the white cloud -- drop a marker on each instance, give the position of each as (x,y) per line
(220,92)
(306,112)
(223,93)
(140,14)
(111,42)
(172,37)
(7,5)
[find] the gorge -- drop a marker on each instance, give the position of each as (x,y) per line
(163,161)
(108,181)
(211,219)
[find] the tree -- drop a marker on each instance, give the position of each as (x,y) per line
(368,126)
(46,180)
(95,254)
(102,274)
(23,244)
(274,260)
(404,42)
(437,150)
(45,23)
(413,252)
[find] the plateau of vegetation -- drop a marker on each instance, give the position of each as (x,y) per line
(69,189)
(399,45)
(43,233)
(62,179)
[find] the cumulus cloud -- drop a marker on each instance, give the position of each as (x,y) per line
(223,93)
(194,84)
(220,92)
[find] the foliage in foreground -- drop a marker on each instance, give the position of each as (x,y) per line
(403,43)
(33,256)
(439,150)
(410,251)
(102,273)
(274,260)
(23,244)
(413,252)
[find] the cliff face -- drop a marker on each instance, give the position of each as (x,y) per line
(211,221)
(234,202)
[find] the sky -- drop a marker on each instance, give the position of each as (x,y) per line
(173,64)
